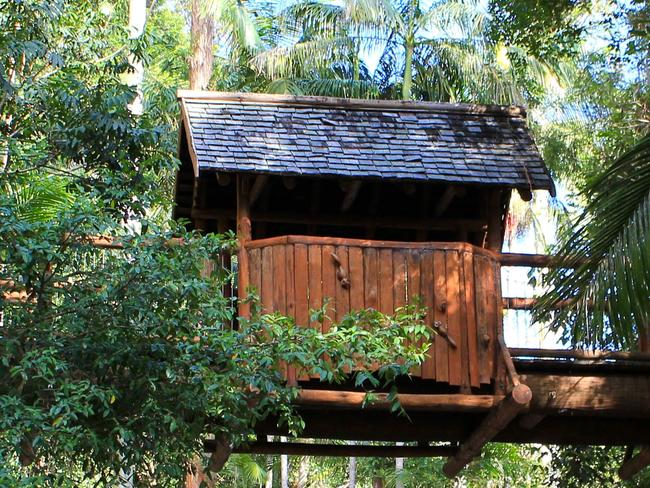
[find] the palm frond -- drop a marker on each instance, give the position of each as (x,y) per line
(293,60)
(455,19)
(41,200)
(610,246)
(235,22)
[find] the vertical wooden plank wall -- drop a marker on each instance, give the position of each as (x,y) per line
(456,286)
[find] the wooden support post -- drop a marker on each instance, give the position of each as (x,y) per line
(351,189)
(635,464)
(492,424)
(494,233)
(256,190)
(244,235)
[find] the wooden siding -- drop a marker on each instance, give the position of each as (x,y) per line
(455,282)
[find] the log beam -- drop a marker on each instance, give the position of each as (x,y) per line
(579,354)
(358,400)
(334,450)
(636,463)
(497,420)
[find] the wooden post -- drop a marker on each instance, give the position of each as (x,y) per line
(244,234)
(635,464)
(494,234)
(492,424)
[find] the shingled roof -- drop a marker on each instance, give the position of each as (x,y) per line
(317,136)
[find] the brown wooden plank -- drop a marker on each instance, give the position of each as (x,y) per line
(255,264)
(315,280)
(301,291)
(280,289)
(290,273)
(483,333)
(453,316)
(355,257)
(502,367)
(342,293)
(508,259)
(470,318)
(315,271)
(279,279)
(301,284)
(491,312)
(370,277)
(386,281)
(427,291)
(413,290)
(329,285)
(440,315)
(290,308)
(267,280)
(399,279)
(465,385)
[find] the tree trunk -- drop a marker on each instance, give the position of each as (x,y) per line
(378,482)
(269,463)
(284,468)
(399,468)
(352,470)
(408,70)
(137,21)
(202,57)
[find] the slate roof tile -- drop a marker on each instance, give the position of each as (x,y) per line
(479,145)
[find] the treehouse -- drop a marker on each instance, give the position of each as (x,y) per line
(376,204)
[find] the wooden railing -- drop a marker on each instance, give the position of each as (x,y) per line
(458,284)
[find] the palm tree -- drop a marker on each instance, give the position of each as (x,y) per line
(231,21)
(610,248)
(439,53)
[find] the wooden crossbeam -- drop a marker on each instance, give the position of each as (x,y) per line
(338,450)
(495,421)
(636,463)
(354,400)
(579,354)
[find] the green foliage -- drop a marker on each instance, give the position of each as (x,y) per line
(550,29)
(591,467)
(610,247)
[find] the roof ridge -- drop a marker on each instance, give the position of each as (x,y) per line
(353,103)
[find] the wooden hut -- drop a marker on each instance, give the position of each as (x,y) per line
(374,204)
